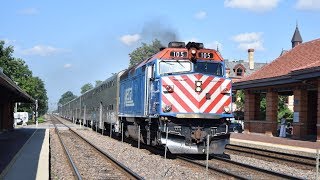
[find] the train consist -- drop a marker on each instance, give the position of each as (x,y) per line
(179,97)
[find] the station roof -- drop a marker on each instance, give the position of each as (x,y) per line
(301,62)
(11,91)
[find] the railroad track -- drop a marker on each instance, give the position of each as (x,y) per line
(225,168)
(295,161)
(87,160)
(235,169)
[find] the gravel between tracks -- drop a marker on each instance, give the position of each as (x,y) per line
(304,174)
(59,167)
(141,161)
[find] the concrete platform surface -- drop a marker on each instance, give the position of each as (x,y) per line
(275,143)
(32,159)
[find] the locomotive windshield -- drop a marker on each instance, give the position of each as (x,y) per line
(174,66)
(211,68)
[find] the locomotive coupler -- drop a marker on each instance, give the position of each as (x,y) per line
(198,135)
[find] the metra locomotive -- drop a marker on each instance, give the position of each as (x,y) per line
(182,90)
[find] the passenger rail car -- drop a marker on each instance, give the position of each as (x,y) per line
(181,91)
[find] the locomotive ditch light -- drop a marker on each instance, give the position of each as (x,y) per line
(167,108)
(227,109)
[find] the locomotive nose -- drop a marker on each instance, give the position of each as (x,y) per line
(196,93)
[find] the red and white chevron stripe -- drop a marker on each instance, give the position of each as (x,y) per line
(184,98)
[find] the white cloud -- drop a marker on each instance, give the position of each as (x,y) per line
(249,40)
(252,5)
(66,66)
(29,11)
(257,45)
(248,37)
(42,50)
(308,5)
(130,39)
(200,15)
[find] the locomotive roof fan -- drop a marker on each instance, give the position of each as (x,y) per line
(194,45)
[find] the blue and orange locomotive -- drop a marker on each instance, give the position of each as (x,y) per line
(182,91)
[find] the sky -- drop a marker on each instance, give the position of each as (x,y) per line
(70,43)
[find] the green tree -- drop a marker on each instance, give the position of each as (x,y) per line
(66,97)
(36,88)
(239,100)
(98,82)
(86,88)
(19,72)
(144,52)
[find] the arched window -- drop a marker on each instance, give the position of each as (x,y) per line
(239,72)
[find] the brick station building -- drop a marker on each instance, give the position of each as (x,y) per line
(10,93)
(297,73)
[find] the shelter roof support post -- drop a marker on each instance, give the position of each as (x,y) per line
(271,113)
(300,113)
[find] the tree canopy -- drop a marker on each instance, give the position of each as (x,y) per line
(17,70)
(98,82)
(66,97)
(86,88)
(144,52)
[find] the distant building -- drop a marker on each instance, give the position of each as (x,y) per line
(237,69)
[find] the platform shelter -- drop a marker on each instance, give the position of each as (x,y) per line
(295,73)
(10,93)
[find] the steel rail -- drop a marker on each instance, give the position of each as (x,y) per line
(255,151)
(223,171)
(257,168)
(74,167)
(229,173)
(128,172)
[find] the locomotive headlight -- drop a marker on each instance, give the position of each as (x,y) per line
(198,89)
(193,51)
(198,86)
(227,109)
(198,83)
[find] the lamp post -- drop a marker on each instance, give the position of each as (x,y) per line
(36,113)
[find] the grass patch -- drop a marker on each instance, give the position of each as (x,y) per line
(40,120)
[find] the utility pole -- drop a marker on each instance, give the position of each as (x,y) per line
(36,113)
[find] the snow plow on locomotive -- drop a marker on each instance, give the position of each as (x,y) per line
(181,92)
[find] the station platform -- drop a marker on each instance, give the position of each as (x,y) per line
(263,141)
(24,154)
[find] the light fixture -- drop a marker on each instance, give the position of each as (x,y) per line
(227,109)
(198,89)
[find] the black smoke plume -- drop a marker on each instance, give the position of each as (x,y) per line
(158,30)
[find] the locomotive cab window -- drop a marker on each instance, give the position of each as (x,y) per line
(212,68)
(174,66)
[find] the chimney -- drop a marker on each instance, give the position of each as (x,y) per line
(250,57)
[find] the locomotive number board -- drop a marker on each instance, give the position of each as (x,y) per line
(181,54)
(205,55)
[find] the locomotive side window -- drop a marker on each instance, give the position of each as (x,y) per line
(209,68)
(175,66)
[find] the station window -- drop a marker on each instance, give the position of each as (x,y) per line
(239,72)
